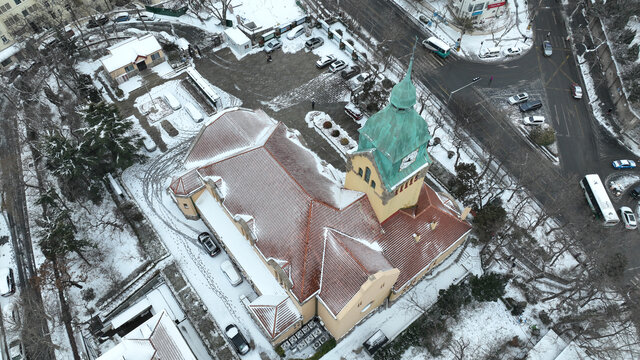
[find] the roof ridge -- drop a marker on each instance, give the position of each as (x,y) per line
(347,250)
(306,249)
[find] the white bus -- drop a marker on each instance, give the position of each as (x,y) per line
(598,199)
(437,46)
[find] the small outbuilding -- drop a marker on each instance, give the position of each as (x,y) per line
(238,42)
(137,53)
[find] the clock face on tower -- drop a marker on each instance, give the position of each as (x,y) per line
(408,160)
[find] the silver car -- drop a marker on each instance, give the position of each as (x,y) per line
(546,47)
(518,98)
(272,45)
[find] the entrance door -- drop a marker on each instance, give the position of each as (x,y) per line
(141,65)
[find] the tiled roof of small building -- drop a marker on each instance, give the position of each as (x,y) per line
(276,314)
(295,203)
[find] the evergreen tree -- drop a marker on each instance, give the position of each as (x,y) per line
(109,140)
(489,219)
(463,184)
(453,298)
(488,287)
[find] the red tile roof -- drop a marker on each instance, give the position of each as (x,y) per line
(274,313)
(294,202)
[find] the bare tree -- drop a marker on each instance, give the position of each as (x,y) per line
(217,8)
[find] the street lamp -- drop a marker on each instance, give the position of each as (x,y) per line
(475,79)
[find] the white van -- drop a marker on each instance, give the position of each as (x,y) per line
(295,32)
(193,112)
(490,52)
(172,101)
(533,120)
(231,273)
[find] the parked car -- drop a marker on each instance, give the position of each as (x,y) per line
(295,32)
(628,218)
(576,91)
(490,52)
(513,51)
(94,23)
(193,112)
(546,48)
(272,45)
(350,72)
(237,339)
(337,66)
(12,316)
(227,268)
(357,83)
(314,43)
(147,16)
(121,17)
(171,101)
(530,105)
(209,243)
(518,98)
(533,120)
(7,282)
(624,164)
(353,111)
(148,144)
(635,193)
(423,19)
(16,350)
(325,61)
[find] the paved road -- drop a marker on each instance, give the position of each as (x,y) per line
(582,144)
(14,202)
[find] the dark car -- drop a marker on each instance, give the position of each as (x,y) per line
(530,105)
(350,72)
(237,339)
(93,23)
(313,43)
(210,243)
(635,193)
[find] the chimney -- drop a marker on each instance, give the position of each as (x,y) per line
(433,225)
(465,213)
(416,237)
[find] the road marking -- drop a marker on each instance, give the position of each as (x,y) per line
(566,122)
(558,67)
(579,121)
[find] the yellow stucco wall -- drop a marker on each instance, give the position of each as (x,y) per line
(395,295)
(383,209)
(371,295)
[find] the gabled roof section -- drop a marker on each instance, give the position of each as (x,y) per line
(187,183)
(275,313)
(127,51)
(232,132)
(437,226)
(346,255)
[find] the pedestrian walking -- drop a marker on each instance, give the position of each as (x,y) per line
(313,105)
(490,80)
(548,34)
(526,38)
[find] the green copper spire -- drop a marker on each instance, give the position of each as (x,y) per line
(397,135)
(403,95)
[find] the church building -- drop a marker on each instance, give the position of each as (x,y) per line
(312,241)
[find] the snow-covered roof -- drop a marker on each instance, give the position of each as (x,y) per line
(236,36)
(156,338)
(126,52)
(157,300)
(293,202)
(10,51)
(548,348)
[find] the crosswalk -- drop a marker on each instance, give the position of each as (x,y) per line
(557,42)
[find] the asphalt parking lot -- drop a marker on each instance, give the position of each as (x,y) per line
(284,89)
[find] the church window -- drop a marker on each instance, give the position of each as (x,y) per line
(186,206)
(373,184)
(360,172)
(367,175)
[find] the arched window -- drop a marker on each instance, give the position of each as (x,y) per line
(367,175)
(373,184)
(360,172)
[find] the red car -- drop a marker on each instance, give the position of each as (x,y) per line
(353,111)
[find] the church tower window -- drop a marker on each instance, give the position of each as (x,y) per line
(360,172)
(373,184)
(367,175)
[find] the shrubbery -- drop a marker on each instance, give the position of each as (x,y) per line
(543,137)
